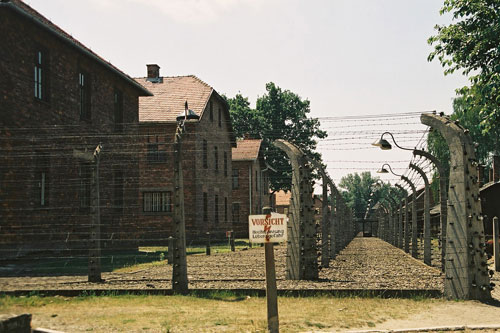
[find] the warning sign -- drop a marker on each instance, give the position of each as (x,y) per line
(267,228)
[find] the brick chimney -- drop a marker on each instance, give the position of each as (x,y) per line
(496,168)
(153,73)
(480,175)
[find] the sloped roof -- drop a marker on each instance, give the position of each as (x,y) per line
(246,149)
(170,94)
(31,14)
(283,198)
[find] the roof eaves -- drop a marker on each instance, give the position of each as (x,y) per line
(83,50)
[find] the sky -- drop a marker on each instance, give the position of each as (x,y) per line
(352,59)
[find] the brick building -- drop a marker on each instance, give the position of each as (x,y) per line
(206,149)
(58,97)
(282,201)
(250,183)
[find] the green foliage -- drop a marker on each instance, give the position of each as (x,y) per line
(279,114)
(358,189)
(470,44)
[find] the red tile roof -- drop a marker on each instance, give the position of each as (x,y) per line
(22,8)
(170,94)
(283,198)
(246,150)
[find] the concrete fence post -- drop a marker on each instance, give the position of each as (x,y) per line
(302,260)
(427,214)
(466,267)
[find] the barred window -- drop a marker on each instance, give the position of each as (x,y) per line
(205,207)
(157,202)
(236,212)
(225,164)
(216,206)
(205,154)
(216,158)
(84,88)
(41,67)
(235,179)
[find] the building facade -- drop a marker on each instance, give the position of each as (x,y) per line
(206,158)
(250,183)
(58,102)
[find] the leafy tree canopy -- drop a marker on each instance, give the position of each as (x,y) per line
(471,44)
(279,114)
(358,189)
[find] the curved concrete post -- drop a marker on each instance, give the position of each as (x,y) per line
(427,215)
(443,197)
(302,260)
(333,223)
(394,225)
(325,226)
(326,235)
(406,230)
(401,223)
(414,249)
(387,222)
(466,268)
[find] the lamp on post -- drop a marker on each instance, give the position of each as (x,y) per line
(385,145)
(443,195)
(179,272)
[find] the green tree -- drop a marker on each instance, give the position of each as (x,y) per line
(279,114)
(244,119)
(358,189)
(470,44)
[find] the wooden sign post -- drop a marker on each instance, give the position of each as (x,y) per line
(269,228)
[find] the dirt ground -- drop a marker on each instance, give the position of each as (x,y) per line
(366,263)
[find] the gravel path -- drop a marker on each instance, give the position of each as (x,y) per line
(366,263)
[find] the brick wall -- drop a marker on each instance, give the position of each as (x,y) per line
(158,176)
(42,134)
(252,180)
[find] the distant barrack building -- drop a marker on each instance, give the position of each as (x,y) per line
(206,156)
(57,97)
(250,183)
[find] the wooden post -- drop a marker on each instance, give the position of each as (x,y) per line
(95,247)
(271,289)
(179,267)
(170,257)
(94,273)
(496,246)
(232,241)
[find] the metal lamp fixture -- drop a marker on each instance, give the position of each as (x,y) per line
(384,170)
(187,114)
(385,145)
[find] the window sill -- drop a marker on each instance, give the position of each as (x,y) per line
(157,213)
(42,101)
